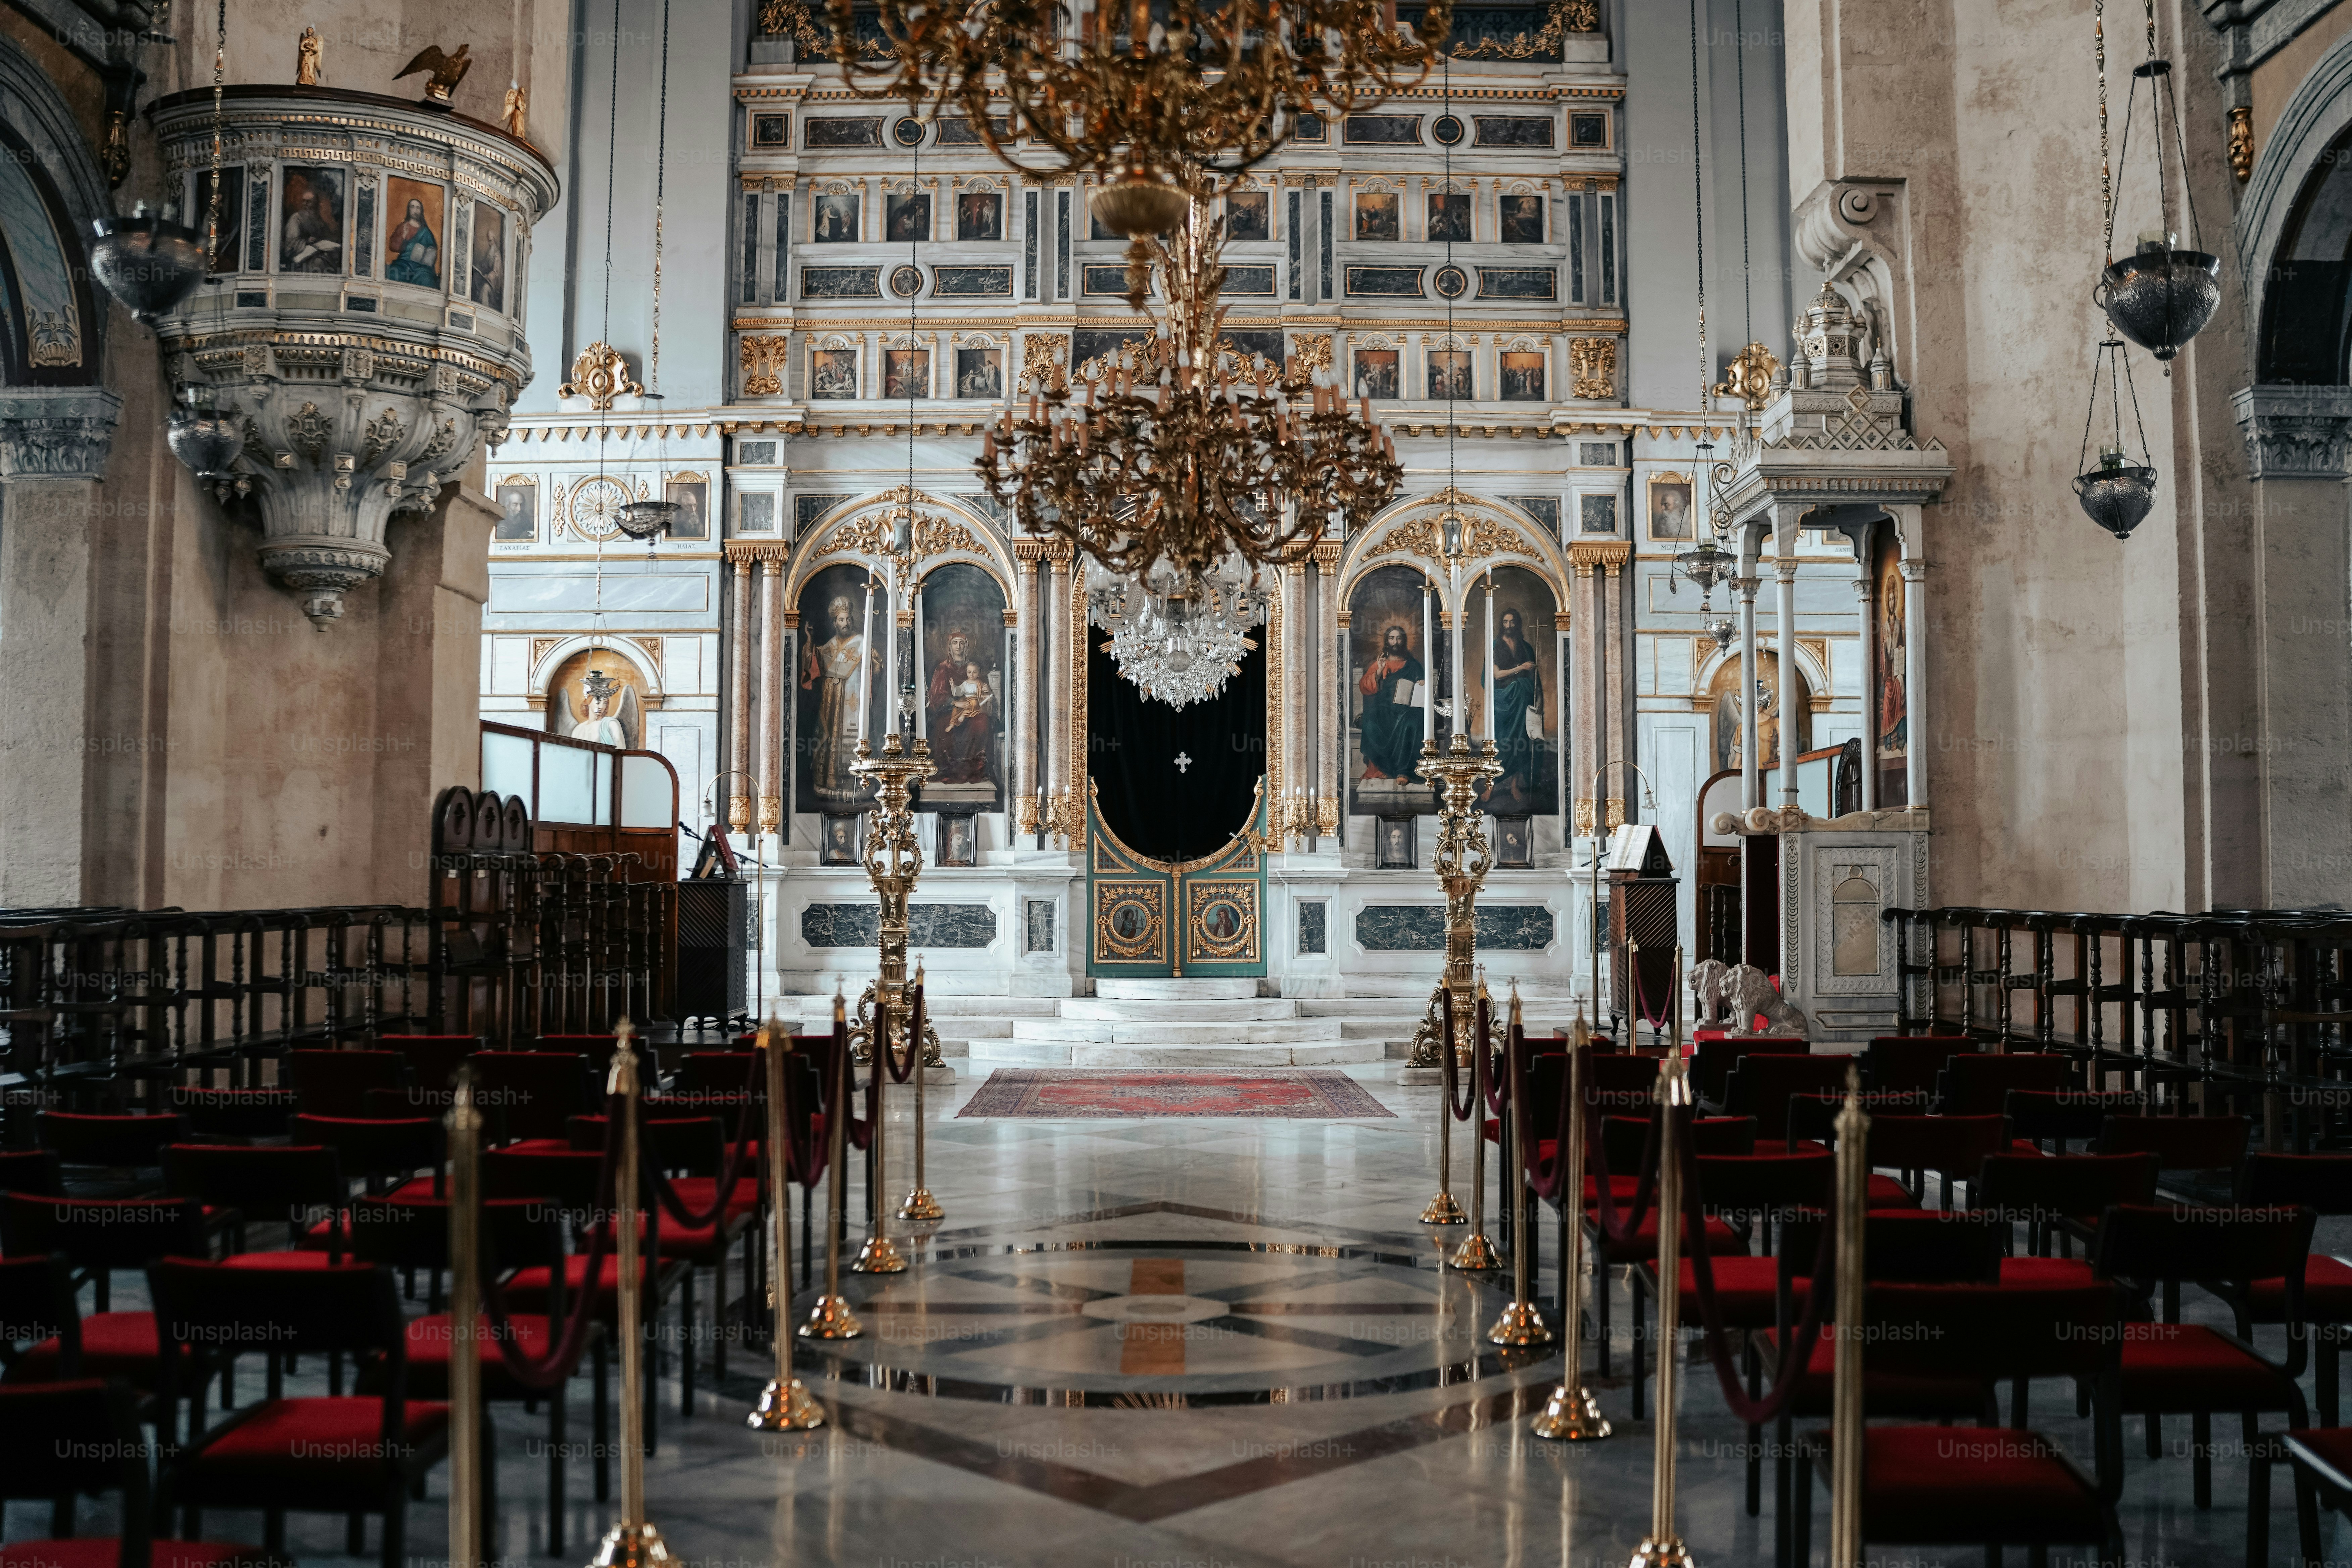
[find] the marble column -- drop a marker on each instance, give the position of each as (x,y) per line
(1917,736)
(1054,715)
(1294,641)
(1617,730)
(1023,622)
(1329,785)
(1784,625)
(1751,768)
(740,781)
(1583,693)
(772,696)
(1867,624)
(54,447)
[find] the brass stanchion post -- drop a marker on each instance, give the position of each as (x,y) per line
(1461,862)
(1661,1548)
(831,1318)
(785,1405)
(633,1542)
(1845,1381)
(465,1124)
(1521,1322)
(919,1206)
(1571,1414)
(1476,1252)
(893,860)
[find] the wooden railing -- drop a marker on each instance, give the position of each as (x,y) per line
(2229,1004)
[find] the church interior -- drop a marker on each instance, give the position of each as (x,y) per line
(1478,605)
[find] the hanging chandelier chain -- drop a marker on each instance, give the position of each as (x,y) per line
(661,180)
(220,76)
(2107,172)
(1747,262)
(1698,218)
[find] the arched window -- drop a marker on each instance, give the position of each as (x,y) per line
(2306,328)
(47,313)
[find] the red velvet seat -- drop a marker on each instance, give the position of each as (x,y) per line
(335,1082)
(347,1454)
(2187,1369)
(61,1440)
(2045,1273)
(1943,1483)
(1982,1486)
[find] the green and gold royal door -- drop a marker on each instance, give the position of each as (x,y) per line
(1153,918)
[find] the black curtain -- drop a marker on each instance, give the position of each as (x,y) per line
(1175,783)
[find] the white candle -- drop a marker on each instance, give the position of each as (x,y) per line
(1428,669)
(865,663)
(890,630)
(1461,705)
(922,671)
(1491,629)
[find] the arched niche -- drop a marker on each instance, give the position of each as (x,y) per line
(2293,232)
(52,323)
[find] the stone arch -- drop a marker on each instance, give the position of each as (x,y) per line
(52,319)
(2298,209)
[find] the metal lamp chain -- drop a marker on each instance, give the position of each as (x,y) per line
(220,75)
(661,179)
(2106,174)
(1698,217)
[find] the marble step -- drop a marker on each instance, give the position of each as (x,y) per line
(1191,1012)
(1368,986)
(1235,988)
(1147,1032)
(937,1005)
(987,1053)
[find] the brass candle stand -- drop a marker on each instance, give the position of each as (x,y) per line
(921,1206)
(1521,1323)
(831,1318)
(1571,1414)
(1845,1377)
(1461,862)
(893,861)
(1663,1547)
(785,1405)
(465,1124)
(633,1542)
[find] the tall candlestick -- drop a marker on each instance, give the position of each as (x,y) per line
(890,629)
(1453,686)
(1428,669)
(865,664)
(922,670)
(1489,635)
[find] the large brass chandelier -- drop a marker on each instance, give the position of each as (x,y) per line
(1146,91)
(1186,450)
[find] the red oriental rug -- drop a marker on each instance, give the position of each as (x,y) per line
(1098,1093)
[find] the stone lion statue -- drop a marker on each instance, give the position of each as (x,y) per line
(1731,996)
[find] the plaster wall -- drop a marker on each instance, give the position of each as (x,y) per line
(2055,729)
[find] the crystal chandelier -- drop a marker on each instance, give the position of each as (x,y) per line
(1179,637)
(1144,91)
(1189,451)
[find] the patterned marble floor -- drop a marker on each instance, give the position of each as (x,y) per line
(1197,1342)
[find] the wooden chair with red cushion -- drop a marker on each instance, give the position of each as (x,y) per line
(335,1083)
(1623,1138)
(235,1115)
(1712,1061)
(110,1142)
(1908,1064)
(2321,1183)
(2322,1457)
(1812,1125)
(1762,1086)
(1978,1085)
(96,1237)
(567,1181)
(62,1441)
(299,1185)
(1913,1246)
(692,1151)
(432,1063)
(532,1094)
(2058,1116)
(517,1233)
(2062,1196)
(354,1454)
(40,1321)
(1754,1193)
(1993,1486)
(2173,1369)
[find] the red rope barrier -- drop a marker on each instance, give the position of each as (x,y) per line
(554,1369)
(1796,1354)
